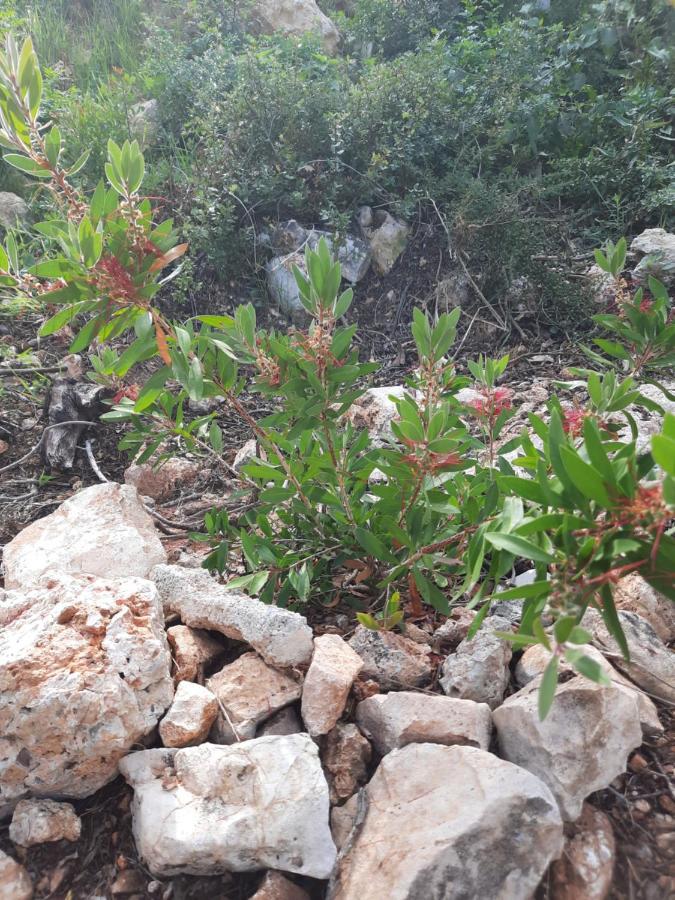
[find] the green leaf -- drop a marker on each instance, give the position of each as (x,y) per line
(563,628)
(25,164)
(79,164)
(587,667)
(254,583)
(547,688)
(518,546)
(585,478)
(368,621)
(663,451)
(374,546)
(579,635)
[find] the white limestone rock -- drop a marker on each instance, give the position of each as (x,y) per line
(84,676)
(582,744)
(451,822)
(281,637)
(42,821)
(190,716)
(328,681)
(249,691)
(394,720)
(210,809)
(102,530)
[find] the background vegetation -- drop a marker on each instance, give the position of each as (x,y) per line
(535,132)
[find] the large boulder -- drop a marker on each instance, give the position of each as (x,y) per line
(85,674)
(479,669)
(255,805)
(102,530)
(394,720)
(294,18)
(392,660)
(281,637)
(656,249)
(13,210)
(582,744)
(450,822)
(329,679)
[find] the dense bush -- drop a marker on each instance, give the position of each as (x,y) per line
(440,512)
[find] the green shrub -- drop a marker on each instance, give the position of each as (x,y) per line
(450,514)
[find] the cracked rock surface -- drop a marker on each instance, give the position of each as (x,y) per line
(450,822)
(84,675)
(280,636)
(210,809)
(102,530)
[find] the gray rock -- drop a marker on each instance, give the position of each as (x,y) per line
(394,720)
(210,809)
(351,252)
(285,721)
(479,668)
(281,637)
(450,822)
(144,122)
(392,660)
(13,210)
(283,287)
(386,236)
(634,594)
(652,664)
(580,747)
(656,247)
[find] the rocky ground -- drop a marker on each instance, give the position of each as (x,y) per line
(341,762)
(164,736)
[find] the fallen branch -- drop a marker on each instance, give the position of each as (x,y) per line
(36,448)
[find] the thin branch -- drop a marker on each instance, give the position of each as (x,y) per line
(94,465)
